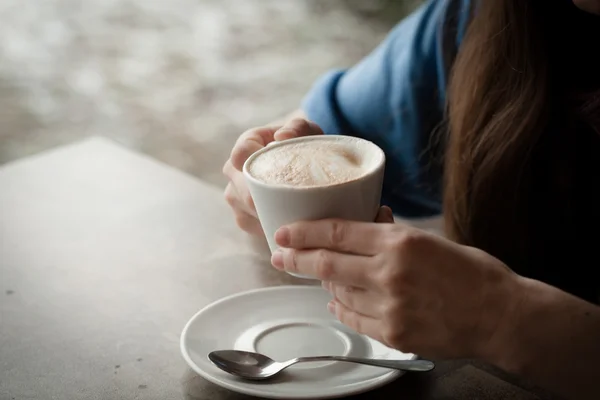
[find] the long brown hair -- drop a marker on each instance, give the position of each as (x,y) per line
(511,118)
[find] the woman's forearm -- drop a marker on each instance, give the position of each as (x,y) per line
(553,341)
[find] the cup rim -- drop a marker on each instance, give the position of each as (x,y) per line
(380,163)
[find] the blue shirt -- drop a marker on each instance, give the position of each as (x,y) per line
(395,97)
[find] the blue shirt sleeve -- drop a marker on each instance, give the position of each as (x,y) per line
(395,98)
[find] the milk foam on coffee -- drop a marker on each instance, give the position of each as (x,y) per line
(311,163)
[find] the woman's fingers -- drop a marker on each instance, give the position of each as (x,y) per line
(326,265)
(297,127)
(360,323)
(246,220)
(362,301)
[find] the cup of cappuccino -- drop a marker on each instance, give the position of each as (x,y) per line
(315,177)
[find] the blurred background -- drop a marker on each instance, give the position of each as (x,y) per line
(178,80)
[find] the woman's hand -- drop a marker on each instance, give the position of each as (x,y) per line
(409,289)
(237,194)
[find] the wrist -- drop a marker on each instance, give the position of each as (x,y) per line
(504,320)
(527,303)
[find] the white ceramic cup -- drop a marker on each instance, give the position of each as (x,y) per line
(358,199)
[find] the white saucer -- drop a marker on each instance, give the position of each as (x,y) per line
(285,322)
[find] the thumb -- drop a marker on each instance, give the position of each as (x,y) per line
(385,215)
(297,127)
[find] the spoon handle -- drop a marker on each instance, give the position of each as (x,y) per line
(403,365)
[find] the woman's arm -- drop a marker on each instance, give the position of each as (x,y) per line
(395,97)
(553,340)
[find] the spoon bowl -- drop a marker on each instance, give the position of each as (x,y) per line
(256,366)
